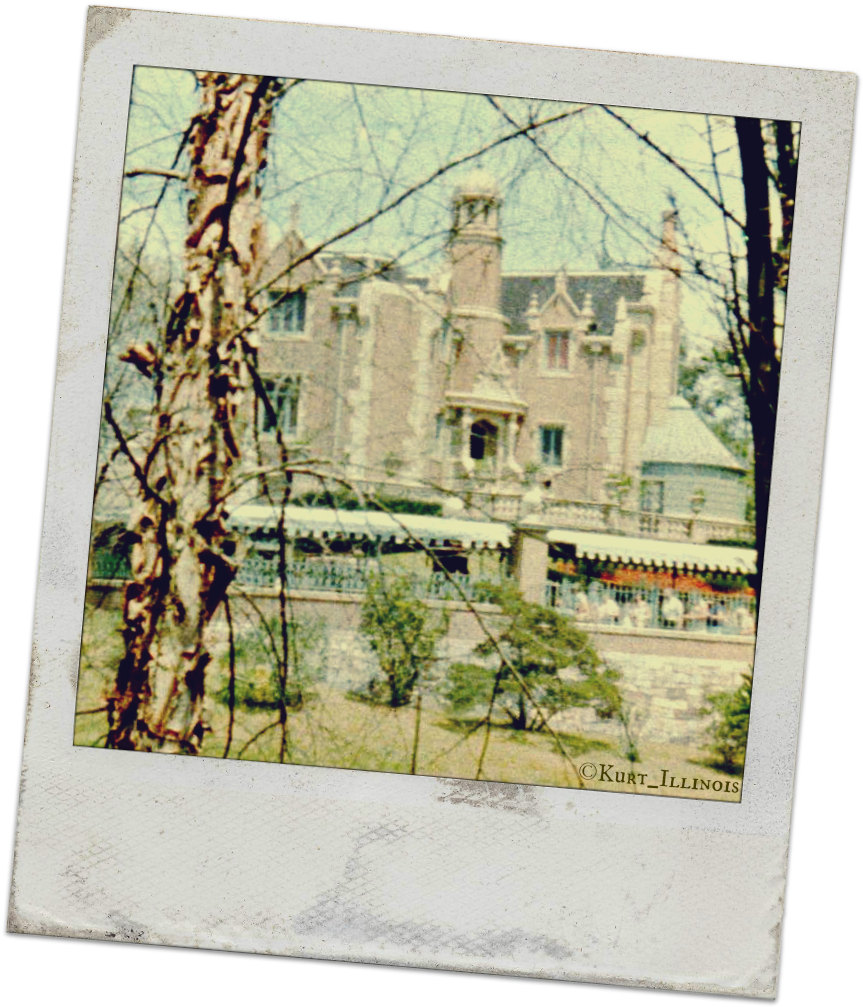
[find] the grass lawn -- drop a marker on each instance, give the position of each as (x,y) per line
(336,731)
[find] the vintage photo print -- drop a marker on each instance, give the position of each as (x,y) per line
(431,502)
(437,433)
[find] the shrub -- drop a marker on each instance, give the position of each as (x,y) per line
(259,683)
(403,632)
(730,726)
(538,644)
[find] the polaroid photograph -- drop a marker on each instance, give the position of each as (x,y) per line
(429,447)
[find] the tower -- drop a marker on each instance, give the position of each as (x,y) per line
(481,397)
(663,288)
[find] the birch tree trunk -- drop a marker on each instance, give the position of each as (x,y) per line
(183,554)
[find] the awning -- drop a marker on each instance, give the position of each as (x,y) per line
(321,522)
(651,552)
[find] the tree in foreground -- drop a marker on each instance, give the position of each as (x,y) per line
(403,632)
(535,664)
(183,557)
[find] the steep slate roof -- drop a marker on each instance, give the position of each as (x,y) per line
(606,290)
(683,438)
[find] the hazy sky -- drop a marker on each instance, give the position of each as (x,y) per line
(341,151)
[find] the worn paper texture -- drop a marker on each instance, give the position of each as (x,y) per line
(384,868)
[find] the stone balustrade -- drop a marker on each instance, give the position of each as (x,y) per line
(608,518)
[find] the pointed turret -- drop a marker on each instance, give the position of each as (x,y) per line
(662,290)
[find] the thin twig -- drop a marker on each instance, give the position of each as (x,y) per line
(232,680)
(488,715)
(416,745)
(736,307)
(675,164)
(255,737)
(158,172)
(146,489)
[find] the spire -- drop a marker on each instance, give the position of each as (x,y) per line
(532,314)
(667,253)
(669,230)
(620,335)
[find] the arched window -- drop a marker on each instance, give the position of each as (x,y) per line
(483,441)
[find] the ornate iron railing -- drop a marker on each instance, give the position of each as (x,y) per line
(348,576)
(260,569)
(628,607)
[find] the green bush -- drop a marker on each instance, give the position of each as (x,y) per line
(730,726)
(535,644)
(403,632)
(258,681)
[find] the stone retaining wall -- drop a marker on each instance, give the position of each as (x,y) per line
(666,675)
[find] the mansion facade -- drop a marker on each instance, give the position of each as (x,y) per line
(555,388)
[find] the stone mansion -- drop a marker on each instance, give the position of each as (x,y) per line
(495,387)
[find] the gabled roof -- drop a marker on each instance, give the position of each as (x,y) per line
(606,289)
(683,438)
(279,258)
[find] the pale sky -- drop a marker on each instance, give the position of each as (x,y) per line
(340,151)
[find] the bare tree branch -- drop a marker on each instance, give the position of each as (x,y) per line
(675,164)
(158,172)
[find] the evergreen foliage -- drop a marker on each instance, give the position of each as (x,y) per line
(538,644)
(730,726)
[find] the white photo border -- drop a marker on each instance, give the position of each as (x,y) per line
(341,864)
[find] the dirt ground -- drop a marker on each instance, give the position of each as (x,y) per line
(334,730)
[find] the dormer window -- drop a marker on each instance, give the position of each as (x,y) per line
(556,357)
(287,316)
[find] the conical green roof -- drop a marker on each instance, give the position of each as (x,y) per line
(683,438)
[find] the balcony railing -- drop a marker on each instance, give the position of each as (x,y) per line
(339,576)
(610,519)
(597,604)
(344,576)
(627,607)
